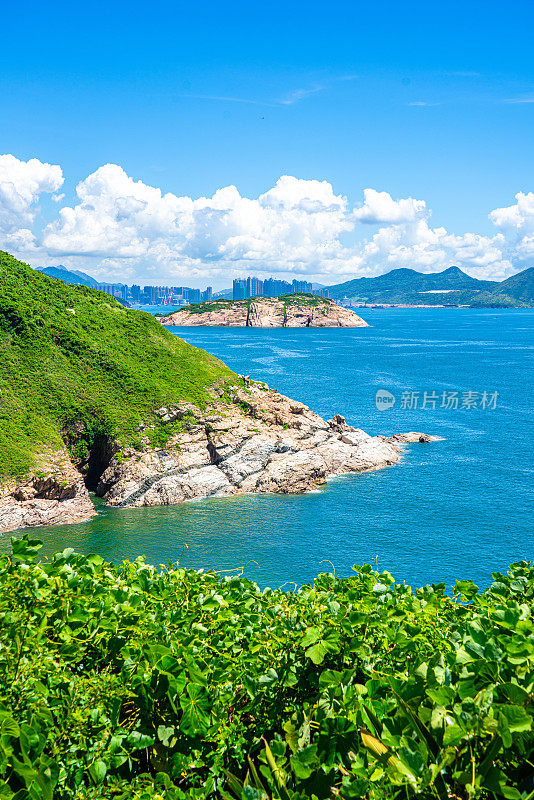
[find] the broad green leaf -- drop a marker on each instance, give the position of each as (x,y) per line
(453,735)
(98,770)
(195,707)
(517,718)
(25,548)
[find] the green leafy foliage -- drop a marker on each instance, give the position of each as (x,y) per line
(125,681)
(75,365)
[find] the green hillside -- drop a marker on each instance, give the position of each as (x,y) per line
(73,359)
(520,286)
(518,290)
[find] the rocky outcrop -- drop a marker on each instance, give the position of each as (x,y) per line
(250,439)
(53,495)
(263,312)
(261,442)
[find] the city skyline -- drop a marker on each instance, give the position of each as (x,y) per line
(165,294)
(243,289)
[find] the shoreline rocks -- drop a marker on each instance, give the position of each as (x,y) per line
(55,495)
(264,312)
(263,442)
(255,441)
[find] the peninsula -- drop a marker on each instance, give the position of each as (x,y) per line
(98,397)
(287,311)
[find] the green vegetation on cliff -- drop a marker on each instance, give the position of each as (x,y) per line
(302,299)
(131,683)
(73,358)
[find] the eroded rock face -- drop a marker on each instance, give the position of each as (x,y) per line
(266,312)
(261,442)
(256,440)
(55,495)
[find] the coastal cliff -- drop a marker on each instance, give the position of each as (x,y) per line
(249,439)
(257,441)
(289,311)
(97,397)
(54,494)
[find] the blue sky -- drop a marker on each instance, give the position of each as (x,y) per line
(427,101)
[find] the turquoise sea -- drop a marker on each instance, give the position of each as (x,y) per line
(461,507)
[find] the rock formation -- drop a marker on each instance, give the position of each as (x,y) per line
(261,442)
(263,312)
(254,440)
(53,495)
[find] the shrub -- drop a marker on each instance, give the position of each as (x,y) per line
(133,682)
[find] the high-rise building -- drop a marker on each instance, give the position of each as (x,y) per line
(150,292)
(301,286)
(254,287)
(207,294)
(135,292)
(274,288)
(239,291)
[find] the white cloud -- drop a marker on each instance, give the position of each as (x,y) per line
(524,99)
(123,229)
(295,222)
(519,217)
(21,184)
(300,94)
(379,207)
(517,224)
(427,249)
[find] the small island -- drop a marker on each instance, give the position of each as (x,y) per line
(287,311)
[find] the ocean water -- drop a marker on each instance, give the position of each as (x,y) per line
(461,507)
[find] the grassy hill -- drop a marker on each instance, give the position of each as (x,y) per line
(76,364)
(397,284)
(518,290)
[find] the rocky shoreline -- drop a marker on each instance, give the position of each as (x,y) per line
(255,440)
(263,312)
(58,497)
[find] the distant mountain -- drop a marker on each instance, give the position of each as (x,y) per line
(70,276)
(397,285)
(520,286)
(450,287)
(225,294)
(77,278)
(518,290)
